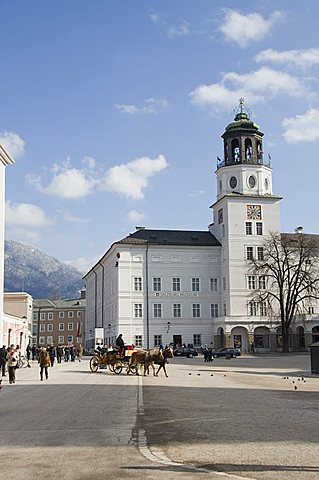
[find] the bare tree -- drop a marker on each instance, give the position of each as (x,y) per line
(286,277)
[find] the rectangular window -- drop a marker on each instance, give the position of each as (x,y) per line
(42,327)
(262,282)
(252,308)
(259,228)
(49,339)
(311,310)
(260,253)
(251,282)
(50,327)
(157,340)
(34,329)
(176,284)
(263,309)
(42,316)
(138,310)
(197,339)
(213,283)
(61,327)
(196,310)
(157,284)
(224,283)
(70,326)
(225,309)
(78,314)
(61,314)
(35,316)
(70,314)
(157,310)
(70,338)
(214,310)
(50,316)
(195,284)
(138,341)
(137,284)
(249,253)
(249,228)
(61,339)
(177,310)
(41,340)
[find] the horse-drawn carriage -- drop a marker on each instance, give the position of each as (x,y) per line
(113,360)
(131,360)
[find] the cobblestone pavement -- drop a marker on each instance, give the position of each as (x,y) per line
(238,418)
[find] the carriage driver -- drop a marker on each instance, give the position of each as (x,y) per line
(119,342)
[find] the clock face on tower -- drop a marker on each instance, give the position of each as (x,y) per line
(254,212)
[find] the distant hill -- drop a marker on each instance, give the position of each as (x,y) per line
(31,270)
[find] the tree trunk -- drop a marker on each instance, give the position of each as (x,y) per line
(285,341)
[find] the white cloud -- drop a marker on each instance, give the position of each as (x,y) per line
(70,183)
(68,217)
(25,214)
(243,29)
(132,178)
(302,128)
(256,86)
(82,264)
(135,217)
(152,105)
(13,143)
(89,162)
(24,235)
(302,58)
(155,17)
(179,31)
(197,193)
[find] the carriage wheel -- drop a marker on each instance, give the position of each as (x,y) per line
(117,368)
(94,364)
(111,367)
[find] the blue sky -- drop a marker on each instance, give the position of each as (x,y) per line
(113,112)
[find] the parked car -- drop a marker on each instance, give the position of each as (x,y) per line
(222,352)
(188,352)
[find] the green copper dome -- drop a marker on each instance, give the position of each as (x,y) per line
(242,122)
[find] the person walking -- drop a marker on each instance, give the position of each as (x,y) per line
(34,352)
(51,351)
(12,361)
(3,360)
(44,363)
(59,353)
(28,352)
(79,352)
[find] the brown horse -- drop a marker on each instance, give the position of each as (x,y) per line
(145,358)
(167,353)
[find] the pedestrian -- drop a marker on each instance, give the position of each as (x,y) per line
(72,353)
(51,351)
(59,353)
(252,347)
(44,363)
(28,352)
(66,354)
(79,352)
(33,351)
(3,360)
(12,361)
(119,342)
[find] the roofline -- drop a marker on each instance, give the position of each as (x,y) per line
(272,197)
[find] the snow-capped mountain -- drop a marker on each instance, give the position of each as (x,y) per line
(29,269)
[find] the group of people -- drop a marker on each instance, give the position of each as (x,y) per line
(45,356)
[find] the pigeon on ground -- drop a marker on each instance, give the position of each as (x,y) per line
(295,387)
(189,374)
(211,374)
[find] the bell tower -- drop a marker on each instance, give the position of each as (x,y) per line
(245,212)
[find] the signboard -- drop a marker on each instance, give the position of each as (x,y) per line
(99,336)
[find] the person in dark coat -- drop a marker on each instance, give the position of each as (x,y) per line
(51,351)
(28,351)
(34,352)
(3,360)
(119,342)
(59,353)
(44,363)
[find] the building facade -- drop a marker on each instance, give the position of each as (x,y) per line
(58,322)
(17,319)
(194,287)
(5,160)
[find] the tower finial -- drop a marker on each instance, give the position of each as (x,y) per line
(241,104)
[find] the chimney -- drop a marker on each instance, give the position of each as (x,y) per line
(139,228)
(299,229)
(83,293)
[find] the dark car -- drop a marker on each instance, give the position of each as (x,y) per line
(188,352)
(222,352)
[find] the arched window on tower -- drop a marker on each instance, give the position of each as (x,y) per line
(248,150)
(226,154)
(259,152)
(235,151)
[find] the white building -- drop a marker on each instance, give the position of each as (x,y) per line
(17,319)
(5,160)
(193,287)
